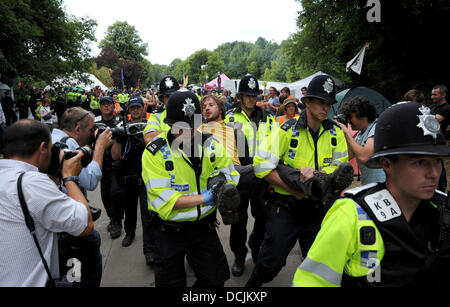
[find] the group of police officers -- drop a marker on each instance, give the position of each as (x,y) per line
(397,231)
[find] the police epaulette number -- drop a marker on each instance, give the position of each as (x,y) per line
(288,124)
(156,145)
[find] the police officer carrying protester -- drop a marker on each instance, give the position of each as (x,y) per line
(187,175)
(130,176)
(110,188)
(155,123)
(256,124)
(394,233)
(316,146)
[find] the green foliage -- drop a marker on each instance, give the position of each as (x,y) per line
(124,38)
(39,41)
(403,54)
(235,59)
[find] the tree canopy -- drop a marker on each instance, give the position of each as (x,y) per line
(403,54)
(38,40)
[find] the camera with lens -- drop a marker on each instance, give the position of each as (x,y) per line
(117,132)
(55,167)
(341,118)
(136,128)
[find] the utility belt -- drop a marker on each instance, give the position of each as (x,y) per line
(175,227)
(287,201)
(291,203)
(131,179)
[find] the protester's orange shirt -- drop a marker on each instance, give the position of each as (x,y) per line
(282,119)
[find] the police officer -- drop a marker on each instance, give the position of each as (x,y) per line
(95,105)
(110,188)
(256,124)
(394,233)
(177,168)
(155,124)
(129,173)
(314,145)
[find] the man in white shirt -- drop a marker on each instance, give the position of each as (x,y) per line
(28,150)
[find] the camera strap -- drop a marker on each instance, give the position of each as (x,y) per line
(30,224)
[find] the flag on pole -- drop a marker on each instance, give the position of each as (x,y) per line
(121,75)
(356,63)
(207,77)
(186,79)
(138,84)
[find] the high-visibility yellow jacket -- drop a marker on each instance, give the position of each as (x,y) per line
(156,123)
(168,176)
(294,144)
(361,231)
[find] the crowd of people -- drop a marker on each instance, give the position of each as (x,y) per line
(192,159)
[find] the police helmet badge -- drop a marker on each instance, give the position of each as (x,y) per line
(328,86)
(428,123)
(188,107)
(169,83)
(252,83)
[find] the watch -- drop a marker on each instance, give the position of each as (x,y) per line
(75,179)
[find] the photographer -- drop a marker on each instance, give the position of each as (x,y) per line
(111,191)
(28,150)
(77,129)
(361,114)
(129,174)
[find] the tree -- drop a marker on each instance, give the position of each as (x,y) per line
(103,74)
(108,57)
(124,38)
(332,32)
(39,41)
(132,72)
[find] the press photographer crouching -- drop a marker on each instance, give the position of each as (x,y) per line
(28,152)
(78,130)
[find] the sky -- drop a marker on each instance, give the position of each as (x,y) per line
(176,29)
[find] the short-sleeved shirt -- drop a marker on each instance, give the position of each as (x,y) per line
(444,111)
(52,212)
(369,175)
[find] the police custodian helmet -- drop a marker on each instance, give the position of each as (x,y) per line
(407,128)
(168,85)
(182,107)
(249,86)
(321,87)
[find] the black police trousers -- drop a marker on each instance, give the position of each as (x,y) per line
(133,191)
(238,231)
(283,229)
(199,243)
(111,193)
(252,191)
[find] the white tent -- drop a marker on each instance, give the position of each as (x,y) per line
(72,81)
(296,86)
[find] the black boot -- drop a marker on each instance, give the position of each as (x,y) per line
(115,230)
(327,188)
(129,238)
(238,268)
